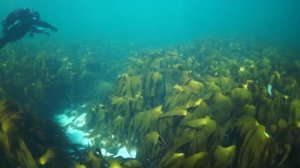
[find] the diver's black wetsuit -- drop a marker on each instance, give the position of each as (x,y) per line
(20,22)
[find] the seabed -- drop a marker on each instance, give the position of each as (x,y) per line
(212,103)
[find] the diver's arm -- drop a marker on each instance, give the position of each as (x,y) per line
(41,23)
(37,30)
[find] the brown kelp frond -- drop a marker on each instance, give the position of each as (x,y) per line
(145,122)
(29,142)
(214,103)
(154,88)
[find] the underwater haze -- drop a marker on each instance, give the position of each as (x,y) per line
(151,84)
(159,22)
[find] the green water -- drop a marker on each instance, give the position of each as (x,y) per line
(156,22)
(181,83)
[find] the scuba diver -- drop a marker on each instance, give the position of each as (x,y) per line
(20,22)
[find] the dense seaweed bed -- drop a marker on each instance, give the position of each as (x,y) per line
(212,103)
